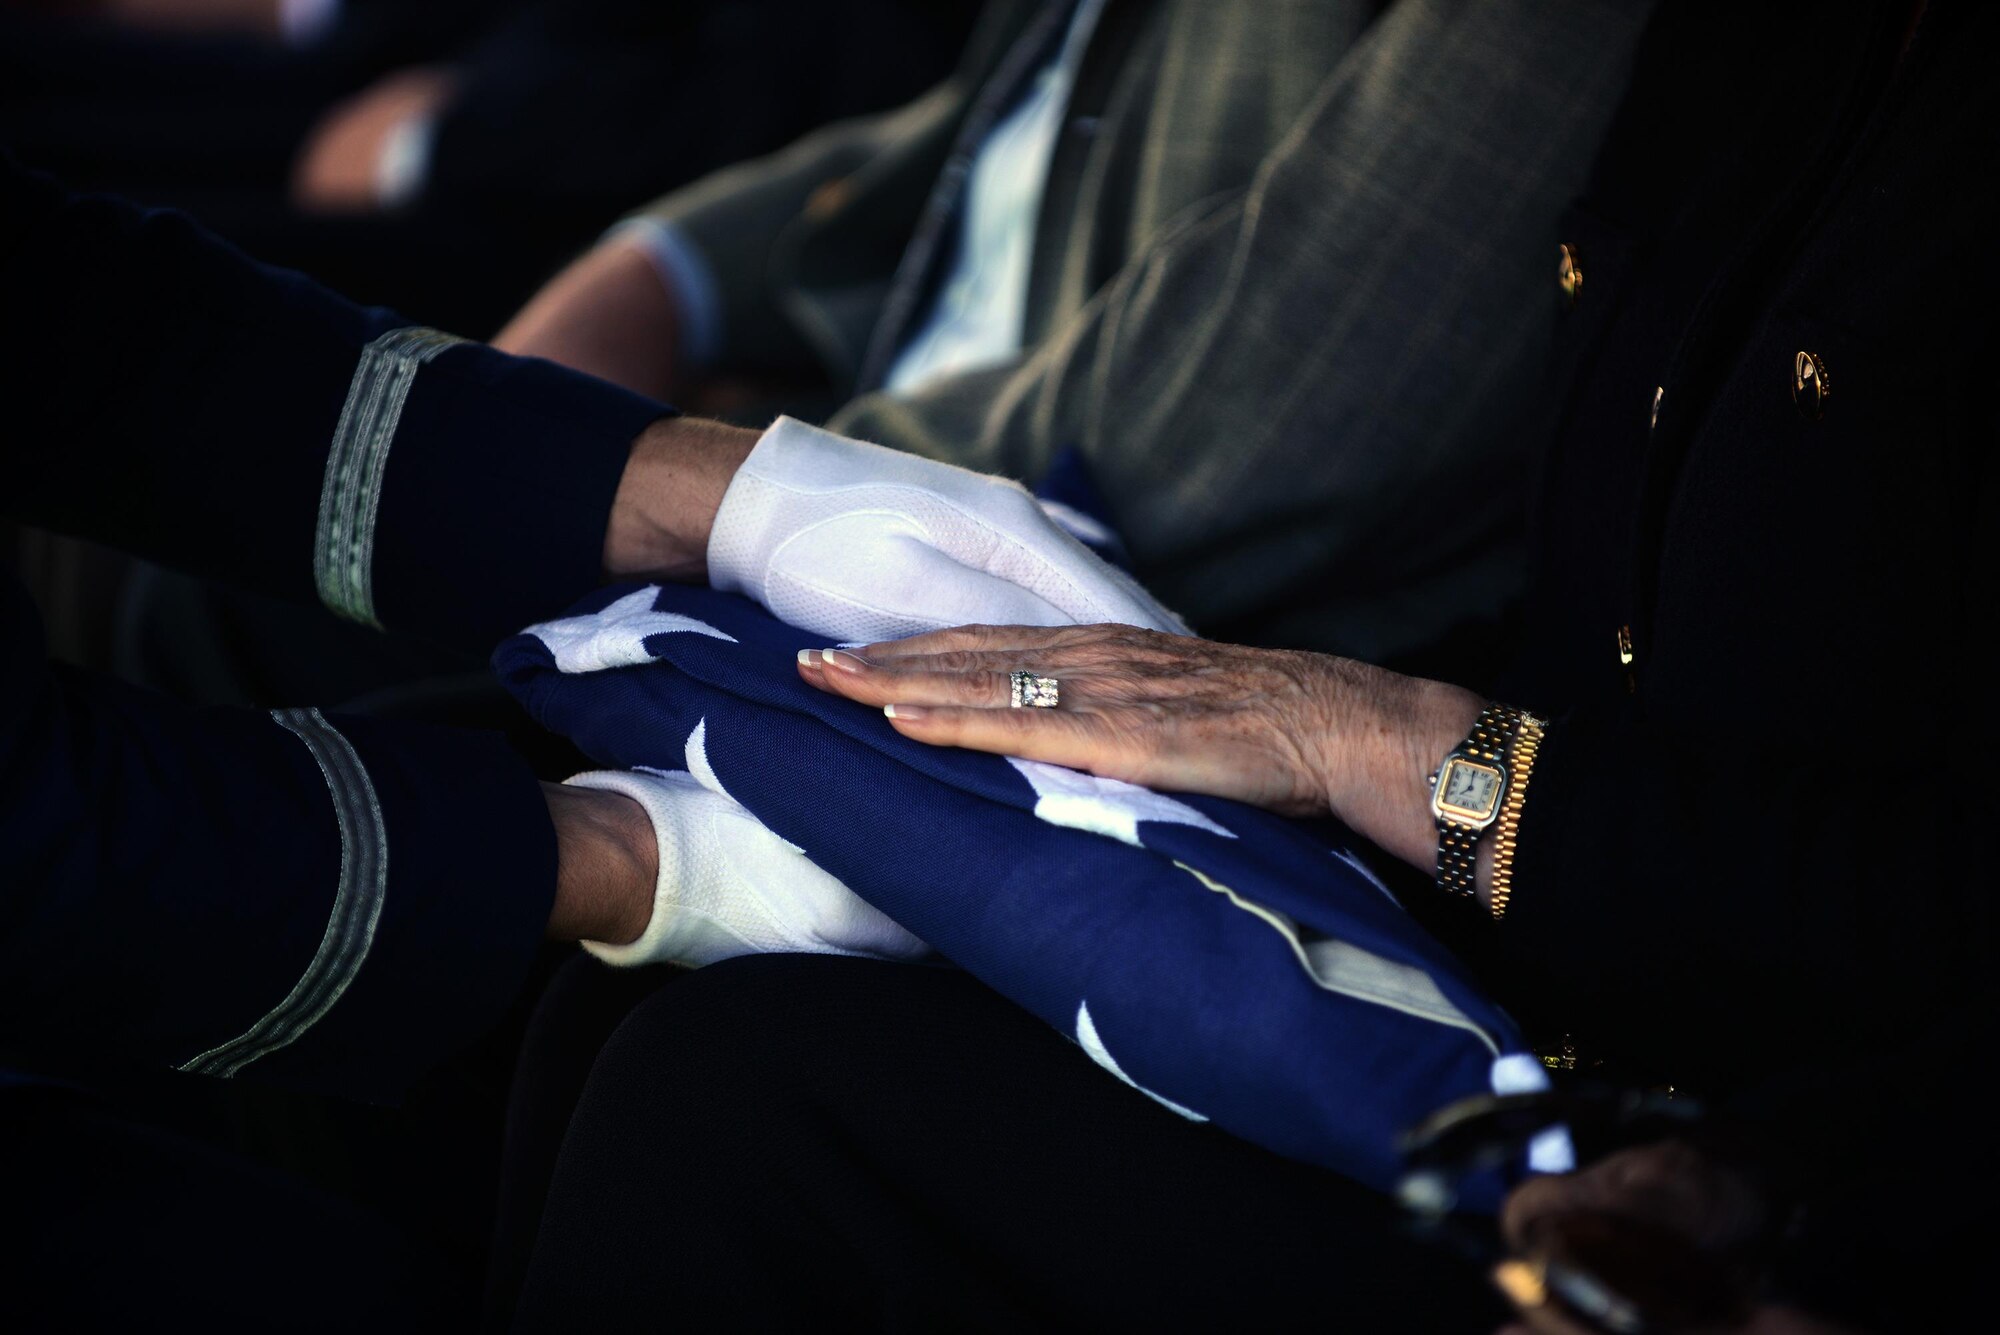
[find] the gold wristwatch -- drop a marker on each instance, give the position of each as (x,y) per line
(1469,791)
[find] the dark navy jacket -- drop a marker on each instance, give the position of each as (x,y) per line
(1756,839)
(330,901)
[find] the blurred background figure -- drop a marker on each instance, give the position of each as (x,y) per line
(443,157)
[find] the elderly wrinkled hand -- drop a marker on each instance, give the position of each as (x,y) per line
(1137,705)
(1298,733)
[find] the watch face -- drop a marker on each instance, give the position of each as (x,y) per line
(1469,790)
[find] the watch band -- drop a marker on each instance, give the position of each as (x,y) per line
(1507,830)
(1493,732)
(1458,858)
(1491,738)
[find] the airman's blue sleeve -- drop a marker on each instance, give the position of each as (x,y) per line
(332,901)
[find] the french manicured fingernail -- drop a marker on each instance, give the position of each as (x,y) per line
(841,659)
(809,658)
(908,713)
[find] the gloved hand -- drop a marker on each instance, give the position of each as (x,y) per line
(727,886)
(861,543)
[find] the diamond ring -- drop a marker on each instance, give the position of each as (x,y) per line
(1033,692)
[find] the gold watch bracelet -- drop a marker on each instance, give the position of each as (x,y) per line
(1507,830)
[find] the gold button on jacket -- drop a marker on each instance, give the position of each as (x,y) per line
(1569,274)
(1810,384)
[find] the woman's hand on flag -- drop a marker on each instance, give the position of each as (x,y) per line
(1299,733)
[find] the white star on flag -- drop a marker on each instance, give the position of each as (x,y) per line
(1091,1042)
(616,636)
(705,775)
(1104,806)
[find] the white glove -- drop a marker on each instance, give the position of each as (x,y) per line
(860,543)
(728,886)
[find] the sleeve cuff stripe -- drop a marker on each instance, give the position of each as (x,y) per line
(357,903)
(351,497)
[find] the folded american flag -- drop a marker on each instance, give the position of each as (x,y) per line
(1227,962)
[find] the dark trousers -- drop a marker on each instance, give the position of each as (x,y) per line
(785,1140)
(117,1222)
(140,1200)
(774,1141)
